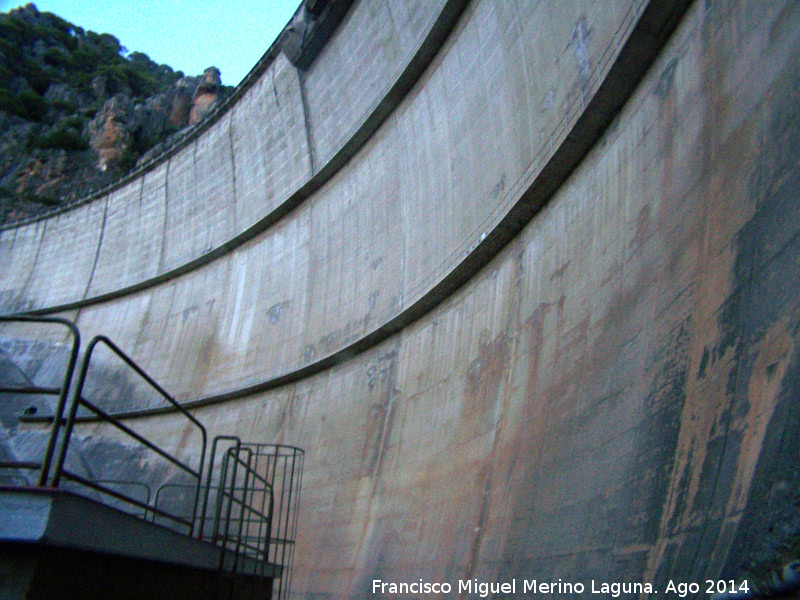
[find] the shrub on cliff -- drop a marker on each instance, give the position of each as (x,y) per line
(77,110)
(64,138)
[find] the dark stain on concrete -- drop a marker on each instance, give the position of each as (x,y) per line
(499,186)
(701,371)
(114,389)
(643,230)
(486,375)
(381,391)
(664,84)
(761,307)
(558,513)
(12,405)
(535,327)
(275,311)
(308,354)
(768,280)
(380,563)
(188,430)
(769,531)
(130,469)
(373,299)
(207,353)
(657,437)
(560,271)
(478,530)
(671,361)
(581,34)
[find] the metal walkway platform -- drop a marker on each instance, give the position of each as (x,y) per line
(61,519)
(84,515)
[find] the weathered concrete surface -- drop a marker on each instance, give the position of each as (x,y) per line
(367,245)
(613,397)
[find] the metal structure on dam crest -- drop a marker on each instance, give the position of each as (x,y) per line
(523,279)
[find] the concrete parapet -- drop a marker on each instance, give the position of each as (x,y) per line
(604,394)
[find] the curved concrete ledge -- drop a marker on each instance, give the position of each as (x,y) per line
(645,40)
(611,397)
(331,330)
(158,227)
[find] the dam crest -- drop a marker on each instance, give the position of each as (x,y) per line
(520,278)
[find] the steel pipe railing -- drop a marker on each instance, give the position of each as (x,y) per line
(61,392)
(257,486)
(79,400)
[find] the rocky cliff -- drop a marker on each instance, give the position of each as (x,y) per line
(78,111)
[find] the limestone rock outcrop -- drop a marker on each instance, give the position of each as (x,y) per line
(110,133)
(123,127)
(206,95)
(77,110)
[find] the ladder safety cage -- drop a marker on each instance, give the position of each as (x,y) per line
(257,500)
(244,507)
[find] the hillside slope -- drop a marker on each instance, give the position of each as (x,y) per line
(77,110)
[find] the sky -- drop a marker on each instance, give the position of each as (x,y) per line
(187,35)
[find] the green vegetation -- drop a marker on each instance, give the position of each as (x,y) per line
(55,79)
(33,56)
(128,160)
(65,138)
(26,104)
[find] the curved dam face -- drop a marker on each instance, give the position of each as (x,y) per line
(522,280)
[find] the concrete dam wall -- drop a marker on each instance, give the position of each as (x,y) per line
(523,280)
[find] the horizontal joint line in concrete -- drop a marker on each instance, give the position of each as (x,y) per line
(609,99)
(425,53)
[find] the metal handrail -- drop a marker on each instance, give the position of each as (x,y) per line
(166,486)
(78,400)
(62,392)
(144,504)
(231,493)
(237,443)
(30,390)
(257,488)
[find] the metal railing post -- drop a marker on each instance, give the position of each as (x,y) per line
(44,472)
